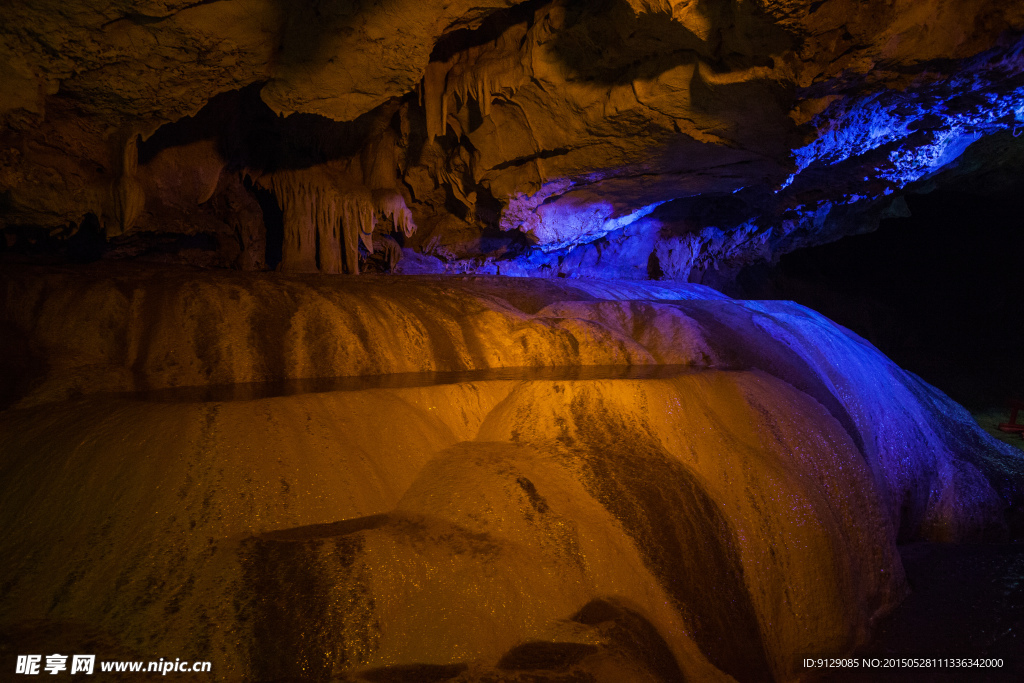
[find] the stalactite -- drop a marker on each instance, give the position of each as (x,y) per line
(127,198)
(297,198)
(329,231)
(322,206)
(392,251)
(359,219)
(379,160)
(391,204)
(480,73)
(434,101)
(454,174)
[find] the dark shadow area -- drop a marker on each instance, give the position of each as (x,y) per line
(414,673)
(251,136)
(633,636)
(544,655)
(273,221)
(146,246)
(941,292)
(965,603)
(688,215)
(36,244)
(608,42)
(218,393)
(296,618)
(20,367)
(88,244)
(308,26)
(496,23)
(680,532)
(328,530)
(654,271)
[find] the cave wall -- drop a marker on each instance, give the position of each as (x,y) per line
(623,139)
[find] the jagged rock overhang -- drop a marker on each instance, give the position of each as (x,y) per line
(524,138)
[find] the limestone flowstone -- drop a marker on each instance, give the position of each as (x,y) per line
(635,481)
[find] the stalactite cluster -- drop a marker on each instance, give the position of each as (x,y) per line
(594,135)
(326,218)
(480,73)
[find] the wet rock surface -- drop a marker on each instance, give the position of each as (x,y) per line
(735,506)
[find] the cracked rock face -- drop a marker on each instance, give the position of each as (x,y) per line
(639,139)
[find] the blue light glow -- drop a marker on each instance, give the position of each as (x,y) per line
(924,139)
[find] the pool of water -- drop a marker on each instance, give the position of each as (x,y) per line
(250,391)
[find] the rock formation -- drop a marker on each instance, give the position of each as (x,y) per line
(625,481)
(633,139)
(430,472)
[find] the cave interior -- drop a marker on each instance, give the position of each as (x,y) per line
(512,340)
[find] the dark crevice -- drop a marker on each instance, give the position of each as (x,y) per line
(273,221)
(496,23)
(250,135)
(544,154)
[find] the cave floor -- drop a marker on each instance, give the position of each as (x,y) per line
(990,419)
(967,601)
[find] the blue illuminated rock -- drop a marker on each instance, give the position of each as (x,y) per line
(621,139)
(649,480)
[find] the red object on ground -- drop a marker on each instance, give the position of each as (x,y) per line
(1012,426)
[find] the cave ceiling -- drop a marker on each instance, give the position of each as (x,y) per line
(639,138)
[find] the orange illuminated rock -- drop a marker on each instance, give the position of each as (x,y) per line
(563,124)
(494,513)
(619,480)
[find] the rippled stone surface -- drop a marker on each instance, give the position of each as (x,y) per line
(721,491)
